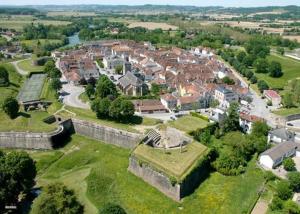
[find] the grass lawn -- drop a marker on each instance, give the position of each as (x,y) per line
(287,112)
(174,163)
(188,123)
(290,67)
(84,98)
(16,81)
(29,121)
(98,174)
(86,114)
(27,65)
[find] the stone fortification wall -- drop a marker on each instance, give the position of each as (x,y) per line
(106,134)
(155,178)
(28,140)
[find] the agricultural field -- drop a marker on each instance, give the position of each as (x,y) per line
(101,177)
(153,25)
(290,68)
(188,123)
(175,163)
(297,37)
(17,22)
(71,13)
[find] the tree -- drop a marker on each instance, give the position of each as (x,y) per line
(115,109)
(54,73)
(102,110)
(105,87)
(289,164)
(121,109)
(262,85)
(55,84)
(17,173)
(276,204)
(261,65)
(260,128)
(284,190)
(57,198)
(280,50)
(253,79)
(11,107)
(127,109)
(90,90)
(288,101)
(241,56)
(82,81)
(112,209)
(119,69)
(231,121)
(275,69)
(4,76)
(228,81)
(291,207)
(49,65)
(294,179)
(155,89)
(249,60)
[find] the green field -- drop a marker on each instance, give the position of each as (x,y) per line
(89,115)
(98,174)
(287,112)
(27,65)
(16,81)
(290,68)
(29,121)
(18,24)
(188,123)
(174,162)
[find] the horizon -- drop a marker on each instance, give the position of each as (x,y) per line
(222,3)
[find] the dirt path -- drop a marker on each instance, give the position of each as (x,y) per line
(19,70)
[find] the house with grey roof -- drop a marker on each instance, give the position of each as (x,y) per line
(132,85)
(274,156)
(225,96)
(280,135)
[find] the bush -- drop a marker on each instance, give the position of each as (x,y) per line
(262,85)
(203,117)
(276,204)
(11,107)
(289,164)
(112,209)
(4,76)
(253,79)
(284,190)
(57,198)
(294,179)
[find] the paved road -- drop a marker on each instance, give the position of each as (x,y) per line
(19,70)
(259,105)
(72,96)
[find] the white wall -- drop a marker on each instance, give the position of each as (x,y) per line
(266,161)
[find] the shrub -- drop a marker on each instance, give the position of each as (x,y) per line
(112,209)
(203,117)
(11,107)
(284,190)
(289,164)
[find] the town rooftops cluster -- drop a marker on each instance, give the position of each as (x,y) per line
(190,78)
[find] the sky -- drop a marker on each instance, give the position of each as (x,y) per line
(226,3)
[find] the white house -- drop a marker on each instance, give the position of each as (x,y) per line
(247,121)
(280,135)
(275,155)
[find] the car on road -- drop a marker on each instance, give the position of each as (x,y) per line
(290,124)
